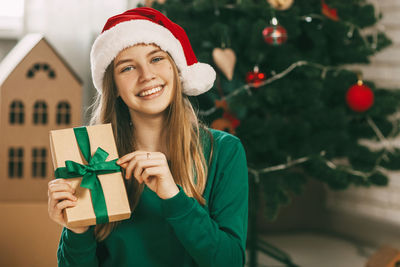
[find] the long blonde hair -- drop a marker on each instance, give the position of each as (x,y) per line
(187,161)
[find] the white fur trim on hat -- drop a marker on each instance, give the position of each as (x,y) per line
(196,79)
(196,75)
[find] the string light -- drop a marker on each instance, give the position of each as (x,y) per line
(330,164)
(387,144)
(352,27)
(280,167)
(270,80)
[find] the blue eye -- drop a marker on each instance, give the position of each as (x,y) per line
(127,68)
(157,59)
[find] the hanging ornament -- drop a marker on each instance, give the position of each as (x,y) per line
(223,124)
(359,97)
(329,12)
(225,59)
(149,3)
(255,77)
(228,122)
(280,4)
(275,34)
(221,104)
(235,122)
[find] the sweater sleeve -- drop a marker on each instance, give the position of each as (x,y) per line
(217,237)
(76,250)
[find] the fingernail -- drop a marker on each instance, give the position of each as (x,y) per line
(75,198)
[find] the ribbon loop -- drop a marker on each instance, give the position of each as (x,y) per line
(99,156)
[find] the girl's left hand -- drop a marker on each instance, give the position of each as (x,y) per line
(152,169)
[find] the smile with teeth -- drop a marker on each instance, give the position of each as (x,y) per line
(151,91)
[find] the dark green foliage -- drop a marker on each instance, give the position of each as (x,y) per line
(304,114)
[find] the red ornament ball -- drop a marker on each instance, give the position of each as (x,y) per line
(255,78)
(275,35)
(359,97)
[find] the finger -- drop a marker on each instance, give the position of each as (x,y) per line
(155,155)
(58,181)
(61,196)
(53,212)
(60,187)
(132,165)
(64,204)
(129,157)
(144,164)
(129,168)
(150,172)
(125,158)
(160,155)
(124,165)
(59,184)
(57,209)
(142,154)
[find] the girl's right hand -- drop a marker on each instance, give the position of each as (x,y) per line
(61,196)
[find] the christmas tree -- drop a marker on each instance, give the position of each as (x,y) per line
(283,88)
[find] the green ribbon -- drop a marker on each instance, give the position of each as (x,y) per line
(96,165)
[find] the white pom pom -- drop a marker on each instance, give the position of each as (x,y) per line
(197,79)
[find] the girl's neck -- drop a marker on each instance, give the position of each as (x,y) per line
(149,134)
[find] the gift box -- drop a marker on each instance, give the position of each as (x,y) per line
(86,156)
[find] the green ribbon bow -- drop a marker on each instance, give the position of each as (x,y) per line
(96,165)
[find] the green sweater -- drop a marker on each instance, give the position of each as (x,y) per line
(177,231)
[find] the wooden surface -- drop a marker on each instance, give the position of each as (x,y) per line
(28,238)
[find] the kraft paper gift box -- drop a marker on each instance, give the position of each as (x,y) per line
(86,157)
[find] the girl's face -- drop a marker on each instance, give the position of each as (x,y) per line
(145,80)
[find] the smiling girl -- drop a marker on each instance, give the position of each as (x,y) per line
(187,184)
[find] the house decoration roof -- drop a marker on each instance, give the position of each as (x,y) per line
(21,50)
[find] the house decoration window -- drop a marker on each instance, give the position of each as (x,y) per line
(17,112)
(63,113)
(15,163)
(39,156)
(41,67)
(40,113)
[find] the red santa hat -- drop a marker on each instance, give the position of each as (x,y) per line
(149,26)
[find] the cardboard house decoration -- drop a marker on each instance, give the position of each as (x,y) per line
(38,92)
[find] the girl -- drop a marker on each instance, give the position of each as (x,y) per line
(187,184)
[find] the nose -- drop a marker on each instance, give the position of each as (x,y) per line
(146,73)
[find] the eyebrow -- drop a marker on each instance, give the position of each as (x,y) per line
(130,60)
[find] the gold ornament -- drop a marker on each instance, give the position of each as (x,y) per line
(280,4)
(225,59)
(223,124)
(149,3)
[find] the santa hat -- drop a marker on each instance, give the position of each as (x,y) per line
(149,26)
